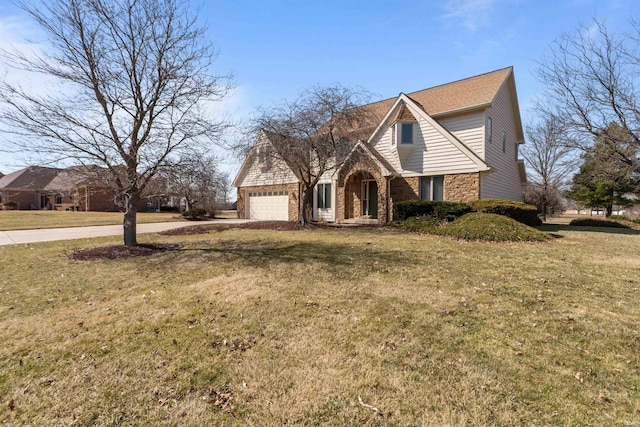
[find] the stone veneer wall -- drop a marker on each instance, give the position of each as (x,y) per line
(349,191)
(292,189)
(462,187)
(405,189)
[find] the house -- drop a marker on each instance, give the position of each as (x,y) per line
(26,187)
(455,142)
(73,188)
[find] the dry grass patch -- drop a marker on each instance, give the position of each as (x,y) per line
(316,327)
(26,220)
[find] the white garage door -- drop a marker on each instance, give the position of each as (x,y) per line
(272,205)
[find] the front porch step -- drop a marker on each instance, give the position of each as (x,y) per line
(368,221)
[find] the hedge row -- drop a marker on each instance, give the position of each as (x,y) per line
(449,211)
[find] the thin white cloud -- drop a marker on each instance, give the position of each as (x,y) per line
(471,14)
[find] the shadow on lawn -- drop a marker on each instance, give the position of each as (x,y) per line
(559,228)
(266,253)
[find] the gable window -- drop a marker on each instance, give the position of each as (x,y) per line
(324,196)
(432,188)
(489,129)
(406,133)
(504,141)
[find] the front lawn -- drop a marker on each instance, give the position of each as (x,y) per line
(324,327)
(26,220)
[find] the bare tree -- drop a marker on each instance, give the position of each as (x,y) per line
(550,155)
(315,133)
(592,81)
(195,179)
(135,79)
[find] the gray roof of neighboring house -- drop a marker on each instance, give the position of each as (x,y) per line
(30,178)
(38,178)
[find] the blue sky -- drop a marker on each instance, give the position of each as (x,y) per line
(276,48)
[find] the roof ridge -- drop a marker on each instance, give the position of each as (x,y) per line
(440,85)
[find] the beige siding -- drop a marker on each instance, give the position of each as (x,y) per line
(264,169)
(383,144)
(431,154)
(503,182)
(435,154)
(469,129)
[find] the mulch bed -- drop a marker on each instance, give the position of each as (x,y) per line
(121,251)
(254,225)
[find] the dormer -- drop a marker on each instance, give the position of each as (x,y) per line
(404,132)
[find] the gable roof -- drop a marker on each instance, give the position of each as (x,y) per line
(473,92)
(401,102)
(30,178)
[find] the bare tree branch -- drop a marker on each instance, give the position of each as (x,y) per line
(135,79)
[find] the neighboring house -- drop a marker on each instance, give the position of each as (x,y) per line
(454,142)
(73,188)
(26,187)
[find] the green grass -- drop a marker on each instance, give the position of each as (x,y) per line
(24,220)
(252,327)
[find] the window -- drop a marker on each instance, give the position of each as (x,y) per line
(489,129)
(324,196)
(406,133)
(58,199)
(432,188)
(504,141)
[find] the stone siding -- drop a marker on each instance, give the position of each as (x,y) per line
(293,192)
(462,187)
(405,189)
(349,191)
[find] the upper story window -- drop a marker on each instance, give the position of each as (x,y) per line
(504,141)
(406,133)
(489,129)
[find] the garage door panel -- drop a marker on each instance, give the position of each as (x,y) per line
(267,206)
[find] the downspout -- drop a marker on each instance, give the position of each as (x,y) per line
(389,210)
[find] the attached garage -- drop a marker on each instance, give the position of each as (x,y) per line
(268,205)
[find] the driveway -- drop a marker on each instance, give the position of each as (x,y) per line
(53,234)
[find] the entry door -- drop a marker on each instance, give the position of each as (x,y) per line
(370,198)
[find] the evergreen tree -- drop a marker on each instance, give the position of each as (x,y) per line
(605,179)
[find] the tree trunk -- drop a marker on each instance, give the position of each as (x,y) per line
(306,205)
(608,211)
(131,209)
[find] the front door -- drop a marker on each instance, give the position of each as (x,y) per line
(370,198)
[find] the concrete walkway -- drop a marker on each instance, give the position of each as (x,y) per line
(54,234)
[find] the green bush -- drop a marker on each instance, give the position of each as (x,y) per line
(419,224)
(195,214)
(10,204)
(440,210)
(521,212)
(594,222)
(491,227)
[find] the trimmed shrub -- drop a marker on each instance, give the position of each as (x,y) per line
(521,212)
(593,222)
(10,205)
(441,210)
(169,209)
(493,228)
(195,214)
(419,224)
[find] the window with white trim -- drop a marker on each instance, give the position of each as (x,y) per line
(324,196)
(406,133)
(432,188)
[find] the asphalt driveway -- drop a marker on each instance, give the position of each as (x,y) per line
(70,233)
